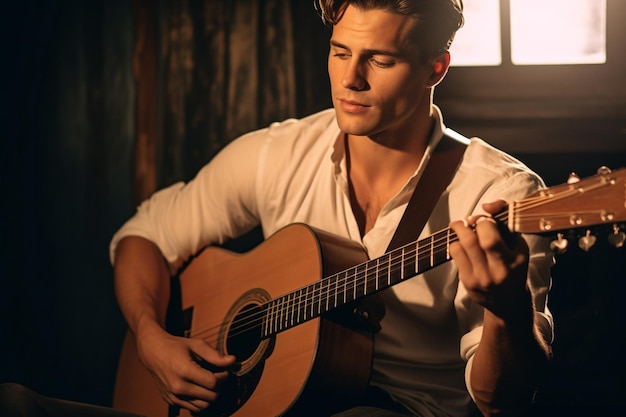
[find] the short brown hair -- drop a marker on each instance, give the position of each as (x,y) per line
(437,20)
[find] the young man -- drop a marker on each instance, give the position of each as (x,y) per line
(475,330)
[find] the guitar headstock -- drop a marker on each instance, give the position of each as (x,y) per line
(577,204)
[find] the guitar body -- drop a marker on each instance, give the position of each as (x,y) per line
(315,368)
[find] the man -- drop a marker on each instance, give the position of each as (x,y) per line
(350,171)
(476,330)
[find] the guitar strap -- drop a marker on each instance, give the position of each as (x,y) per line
(438,173)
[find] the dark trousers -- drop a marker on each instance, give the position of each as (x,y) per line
(19,401)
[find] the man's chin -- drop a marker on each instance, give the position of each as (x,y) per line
(354,127)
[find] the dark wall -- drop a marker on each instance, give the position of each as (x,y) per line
(66,185)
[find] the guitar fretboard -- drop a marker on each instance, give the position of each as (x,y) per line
(396,266)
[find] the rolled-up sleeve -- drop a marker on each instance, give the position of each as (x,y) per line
(216,205)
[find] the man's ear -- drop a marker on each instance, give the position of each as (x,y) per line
(439,68)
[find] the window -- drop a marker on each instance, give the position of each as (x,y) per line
(477,43)
(541,33)
(559,85)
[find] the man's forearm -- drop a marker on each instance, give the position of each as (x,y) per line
(141,282)
(508,365)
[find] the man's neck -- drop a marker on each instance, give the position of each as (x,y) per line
(378,168)
(387,156)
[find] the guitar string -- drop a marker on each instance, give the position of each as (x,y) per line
(287,308)
(349,282)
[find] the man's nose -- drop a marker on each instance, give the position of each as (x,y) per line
(354,76)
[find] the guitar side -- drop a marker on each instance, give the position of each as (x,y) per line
(319,363)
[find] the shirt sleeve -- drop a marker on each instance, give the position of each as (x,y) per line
(216,205)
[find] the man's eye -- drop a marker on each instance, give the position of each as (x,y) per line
(341,55)
(382,64)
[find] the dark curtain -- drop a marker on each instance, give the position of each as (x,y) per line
(103,102)
(221,69)
(66,143)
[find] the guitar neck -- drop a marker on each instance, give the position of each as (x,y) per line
(596,200)
(394,267)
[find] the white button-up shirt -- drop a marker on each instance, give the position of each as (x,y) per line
(295,171)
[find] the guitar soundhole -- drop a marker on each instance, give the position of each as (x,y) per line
(241,333)
(245,333)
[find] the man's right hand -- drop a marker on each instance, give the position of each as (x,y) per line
(174,363)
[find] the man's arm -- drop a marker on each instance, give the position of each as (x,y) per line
(507,366)
(142,289)
(511,356)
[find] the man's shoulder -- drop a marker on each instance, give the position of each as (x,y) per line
(490,166)
(482,155)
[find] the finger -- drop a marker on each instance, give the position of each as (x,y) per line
(457,252)
(182,394)
(495,207)
(207,356)
(475,262)
(195,406)
(210,367)
(488,234)
(496,250)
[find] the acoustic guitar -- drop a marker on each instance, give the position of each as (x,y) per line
(275,307)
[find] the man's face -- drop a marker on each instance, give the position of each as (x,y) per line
(377,78)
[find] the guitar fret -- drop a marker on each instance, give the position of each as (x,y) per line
(330,284)
(294,309)
(395,272)
(408,262)
(299,309)
(345,287)
(388,268)
(305,306)
(377,274)
(439,256)
(273,316)
(320,297)
(326,285)
(402,265)
(360,287)
(335,279)
(289,314)
(353,284)
(314,299)
(423,262)
(281,312)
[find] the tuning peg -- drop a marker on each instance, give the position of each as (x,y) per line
(573,178)
(587,241)
(617,238)
(560,244)
(603,170)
